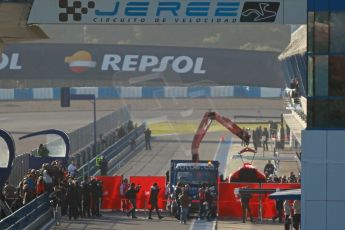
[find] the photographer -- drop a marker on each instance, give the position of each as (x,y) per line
(153,201)
(131,195)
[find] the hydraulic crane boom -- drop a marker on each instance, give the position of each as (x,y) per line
(204,126)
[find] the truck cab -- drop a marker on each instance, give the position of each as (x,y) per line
(195,175)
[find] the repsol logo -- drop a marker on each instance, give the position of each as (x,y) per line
(10,62)
(150,63)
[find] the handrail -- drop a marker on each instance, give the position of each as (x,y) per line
(26,214)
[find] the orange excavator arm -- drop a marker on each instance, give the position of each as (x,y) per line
(206,123)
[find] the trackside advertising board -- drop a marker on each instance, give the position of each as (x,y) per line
(141,65)
(174,12)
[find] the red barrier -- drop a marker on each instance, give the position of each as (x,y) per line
(230,206)
(144,194)
(111,192)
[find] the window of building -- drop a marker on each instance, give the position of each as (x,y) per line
(337,32)
(336,113)
(321,33)
(337,78)
(321,75)
(318,111)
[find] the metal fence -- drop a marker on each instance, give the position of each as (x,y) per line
(19,168)
(84,136)
(27,214)
(90,168)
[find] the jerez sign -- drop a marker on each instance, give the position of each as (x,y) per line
(165,11)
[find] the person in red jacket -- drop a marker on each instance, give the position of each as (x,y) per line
(40,187)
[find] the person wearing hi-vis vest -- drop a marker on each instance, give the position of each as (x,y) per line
(102,163)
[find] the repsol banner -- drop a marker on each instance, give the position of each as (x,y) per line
(168,11)
(141,65)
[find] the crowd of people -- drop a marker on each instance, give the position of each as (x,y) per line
(66,194)
(33,184)
(271,176)
(181,202)
(260,137)
(77,200)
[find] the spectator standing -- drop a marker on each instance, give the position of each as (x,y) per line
(28,194)
(121,132)
(94,197)
(56,198)
(148,139)
(85,190)
(104,166)
(287,211)
(40,187)
(265,136)
(177,193)
(72,169)
(48,181)
(42,151)
(153,200)
(297,214)
(279,211)
(72,199)
(130,126)
(202,199)
(123,189)
(269,169)
(245,198)
(292,178)
(131,194)
(184,205)
(209,203)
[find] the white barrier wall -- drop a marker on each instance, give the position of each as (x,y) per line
(175,92)
(131,92)
(43,93)
(86,90)
(222,91)
(270,92)
(6,94)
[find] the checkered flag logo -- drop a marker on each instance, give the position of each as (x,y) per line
(76,10)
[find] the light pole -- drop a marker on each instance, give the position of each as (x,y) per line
(92,98)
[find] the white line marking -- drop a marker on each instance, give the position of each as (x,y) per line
(192,225)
